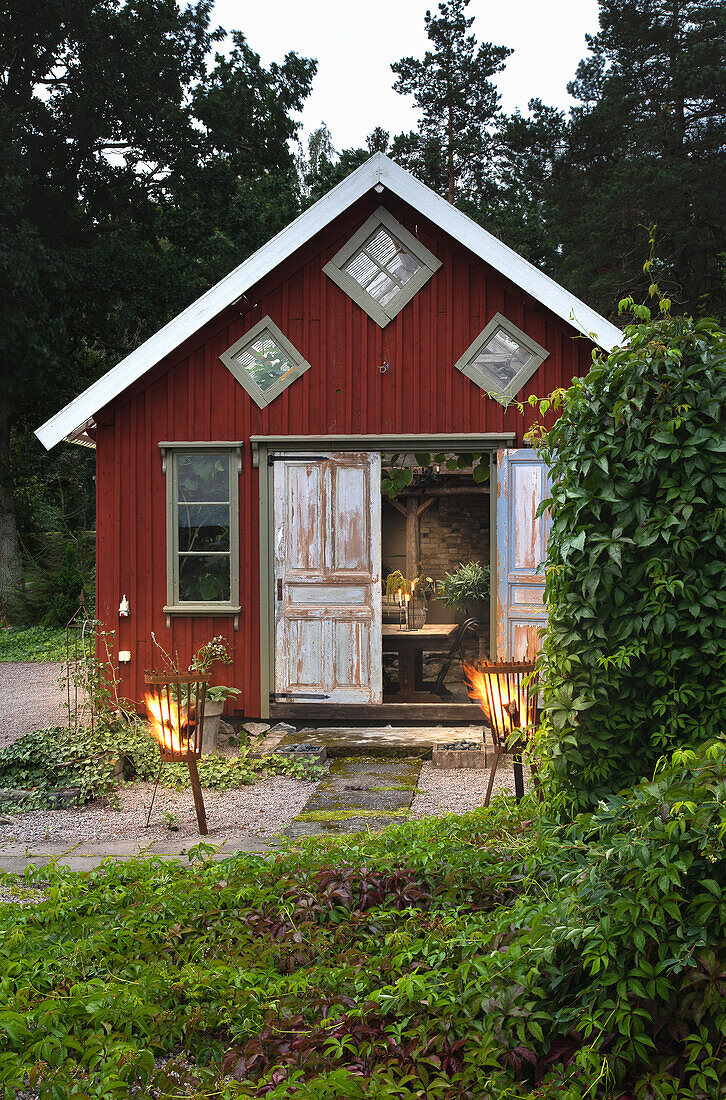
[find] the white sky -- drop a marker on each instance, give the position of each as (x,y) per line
(355,43)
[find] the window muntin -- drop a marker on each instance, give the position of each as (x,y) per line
(264,362)
(382,267)
(202,527)
(501,359)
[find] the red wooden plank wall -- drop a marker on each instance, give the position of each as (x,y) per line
(192,396)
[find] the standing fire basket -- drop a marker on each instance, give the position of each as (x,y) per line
(507,693)
(175,706)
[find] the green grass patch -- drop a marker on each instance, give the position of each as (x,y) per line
(32,643)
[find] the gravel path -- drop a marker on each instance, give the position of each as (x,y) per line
(458,790)
(30,699)
(261,810)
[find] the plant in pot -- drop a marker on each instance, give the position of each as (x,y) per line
(216,650)
(467,590)
(418,590)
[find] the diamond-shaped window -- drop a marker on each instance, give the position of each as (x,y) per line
(502,359)
(264,362)
(382,267)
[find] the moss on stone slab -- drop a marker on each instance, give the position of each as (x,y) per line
(346,815)
(398,787)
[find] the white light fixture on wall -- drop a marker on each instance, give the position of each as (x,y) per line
(124,608)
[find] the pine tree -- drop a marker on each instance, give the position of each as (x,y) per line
(453,90)
(647,146)
(519,208)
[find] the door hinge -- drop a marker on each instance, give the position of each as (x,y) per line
(279,588)
(296,458)
(276,696)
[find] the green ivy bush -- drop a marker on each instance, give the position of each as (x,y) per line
(32,643)
(48,760)
(487,957)
(635,652)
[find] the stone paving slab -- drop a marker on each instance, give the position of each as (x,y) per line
(84,857)
(299,829)
(384,740)
(359,793)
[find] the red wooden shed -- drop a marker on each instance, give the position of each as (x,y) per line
(239,449)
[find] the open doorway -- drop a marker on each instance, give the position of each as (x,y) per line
(435,530)
(324,558)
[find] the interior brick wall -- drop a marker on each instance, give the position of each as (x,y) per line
(453,530)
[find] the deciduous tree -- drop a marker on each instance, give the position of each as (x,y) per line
(136,170)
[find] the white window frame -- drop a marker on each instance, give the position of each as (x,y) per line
(537,356)
(261,397)
(170,452)
(335,268)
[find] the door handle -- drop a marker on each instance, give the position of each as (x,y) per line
(279,589)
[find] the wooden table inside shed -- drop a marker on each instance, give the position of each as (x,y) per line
(410,645)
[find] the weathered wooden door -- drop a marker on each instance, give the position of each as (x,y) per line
(328,577)
(522,483)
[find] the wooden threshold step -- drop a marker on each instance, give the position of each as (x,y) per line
(404,714)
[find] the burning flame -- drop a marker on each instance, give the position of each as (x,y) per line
(169,725)
(491,692)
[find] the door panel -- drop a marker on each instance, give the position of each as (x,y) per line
(328,577)
(351,508)
(522,483)
(304,546)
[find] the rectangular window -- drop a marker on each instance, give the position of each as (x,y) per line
(202,527)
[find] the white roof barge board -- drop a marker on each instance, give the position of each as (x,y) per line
(378,170)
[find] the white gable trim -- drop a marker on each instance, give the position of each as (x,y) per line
(378,170)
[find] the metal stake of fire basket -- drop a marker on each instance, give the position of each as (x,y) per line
(507,693)
(175,705)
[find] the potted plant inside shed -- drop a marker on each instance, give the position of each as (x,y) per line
(467,590)
(411,596)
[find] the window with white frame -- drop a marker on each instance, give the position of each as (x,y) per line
(202,527)
(502,359)
(264,362)
(382,267)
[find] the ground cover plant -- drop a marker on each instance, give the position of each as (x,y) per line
(48,760)
(487,956)
(635,649)
(33,643)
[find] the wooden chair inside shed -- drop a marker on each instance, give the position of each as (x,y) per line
(455,649)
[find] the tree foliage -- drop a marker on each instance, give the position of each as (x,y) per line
(453,89)
(635,650)
(137,168)
(647,144)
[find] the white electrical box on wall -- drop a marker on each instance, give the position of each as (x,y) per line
(124,656)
